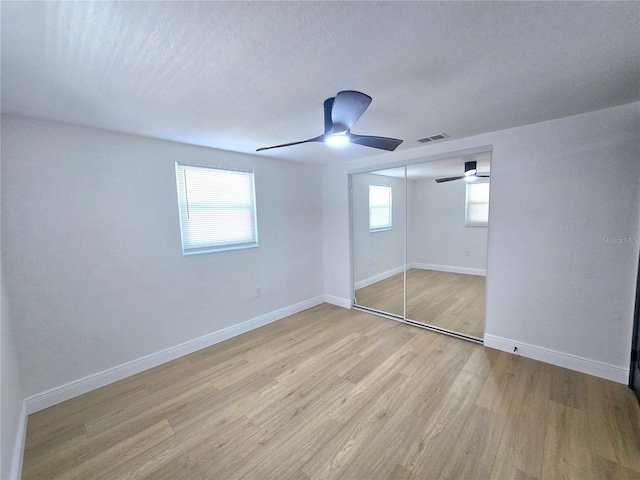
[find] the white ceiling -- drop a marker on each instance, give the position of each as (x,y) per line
(242,75)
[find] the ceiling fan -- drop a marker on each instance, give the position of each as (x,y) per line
(470,171)
(340,113)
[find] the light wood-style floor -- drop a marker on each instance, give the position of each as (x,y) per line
(446,300)
(341,394)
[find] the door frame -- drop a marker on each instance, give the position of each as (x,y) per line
(634,366)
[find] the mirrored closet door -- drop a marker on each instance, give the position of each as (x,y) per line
(378,201)
(426,264)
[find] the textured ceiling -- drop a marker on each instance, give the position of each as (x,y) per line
(241,75)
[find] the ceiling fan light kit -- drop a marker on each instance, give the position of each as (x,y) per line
(337,139)
(340,113)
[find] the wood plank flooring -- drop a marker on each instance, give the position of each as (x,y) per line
(331,393)
(442,299)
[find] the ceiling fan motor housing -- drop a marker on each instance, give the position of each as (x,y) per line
(328,105)
(468,166)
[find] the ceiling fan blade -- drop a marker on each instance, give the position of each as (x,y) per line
(483,175)
(316,139)
(382,143)
(448,179)
(347,107)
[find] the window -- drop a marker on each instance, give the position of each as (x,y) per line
(477,211)
(217,209)
(379,208)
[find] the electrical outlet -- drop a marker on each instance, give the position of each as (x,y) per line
(467,253)
(258,291)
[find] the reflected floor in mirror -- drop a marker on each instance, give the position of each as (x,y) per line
(452,301)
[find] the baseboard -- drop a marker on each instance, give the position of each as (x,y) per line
(86,384)
(449,268)
(572,362)
(377,278)
(18,447)
(338,301)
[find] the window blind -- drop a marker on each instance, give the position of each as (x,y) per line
(217,209)
(379,208)
(477,211)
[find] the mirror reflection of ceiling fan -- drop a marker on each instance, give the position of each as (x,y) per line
(470,172)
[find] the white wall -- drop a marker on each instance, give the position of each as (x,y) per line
(557,189)
(437,234)
(12,395)
(376,253)
(335,236)
(91,248)
(12,416)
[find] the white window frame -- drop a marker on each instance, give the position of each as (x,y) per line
(471,222)
(206,227)
(386,227)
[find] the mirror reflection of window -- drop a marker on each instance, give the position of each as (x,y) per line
(380,198)
(477,205)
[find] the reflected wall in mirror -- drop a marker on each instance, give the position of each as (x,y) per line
(447,244)
(378,204)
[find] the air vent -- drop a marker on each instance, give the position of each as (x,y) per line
(433,138)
